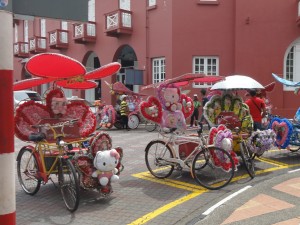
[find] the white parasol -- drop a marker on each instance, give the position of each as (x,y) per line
(237,82)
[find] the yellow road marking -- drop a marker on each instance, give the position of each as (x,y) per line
(195,189)
(273,162)
(157,212)
(169,182)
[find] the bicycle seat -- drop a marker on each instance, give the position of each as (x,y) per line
(36,137)
(169,130)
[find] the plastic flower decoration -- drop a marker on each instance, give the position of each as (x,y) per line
(261,141)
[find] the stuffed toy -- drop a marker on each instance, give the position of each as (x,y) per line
(106,162)
(169,96)
(173,120)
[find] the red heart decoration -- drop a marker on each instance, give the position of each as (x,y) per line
(281,129)
(186,108)
(213,132)
(151,109)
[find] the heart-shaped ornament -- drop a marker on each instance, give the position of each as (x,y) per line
(187,105)
(151,109)
(283,130)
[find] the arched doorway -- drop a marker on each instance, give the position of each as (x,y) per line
(91,61)
(127,57)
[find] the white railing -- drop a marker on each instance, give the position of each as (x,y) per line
(79,30)
(112,21)
(126,19)
(91,29)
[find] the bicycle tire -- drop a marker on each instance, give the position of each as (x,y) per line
(69,184)
(133,121)
(28,177)
(208,173)
(149,126)
(155,153)
(247,159)
(118,125)
(293,148)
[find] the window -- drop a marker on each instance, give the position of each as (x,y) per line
(292,64)
(63,35)
(16,33)
(206,65)
(151,3)
(25,30)
(43,28)
(158,69)
(124,4)
(91,11)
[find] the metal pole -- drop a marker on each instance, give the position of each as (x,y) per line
(7,156)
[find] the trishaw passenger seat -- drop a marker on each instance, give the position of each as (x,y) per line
(36,137)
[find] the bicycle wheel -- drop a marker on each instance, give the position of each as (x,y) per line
(149,126)
(156,154)
(247,159)
(133,121)
(293,148)
(69,184)
(28,169)
(118,125)
(213,168)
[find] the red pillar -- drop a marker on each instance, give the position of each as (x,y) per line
(7,157)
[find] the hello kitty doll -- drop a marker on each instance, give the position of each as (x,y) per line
(105,162)
(169,96)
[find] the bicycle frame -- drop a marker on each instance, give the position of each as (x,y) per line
(44,150)
(174,141)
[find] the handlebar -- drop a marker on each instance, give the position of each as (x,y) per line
(57,125)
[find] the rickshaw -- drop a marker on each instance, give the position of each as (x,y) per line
(287,130)
(110,115)
(228,108)
(62,145)
(209,158)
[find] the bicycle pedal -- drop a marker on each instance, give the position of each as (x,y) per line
(180,176)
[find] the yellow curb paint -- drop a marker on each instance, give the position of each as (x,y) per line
(155,213)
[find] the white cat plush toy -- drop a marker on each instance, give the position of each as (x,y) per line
(105,162)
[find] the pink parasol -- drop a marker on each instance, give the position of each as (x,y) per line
(120,88)
(29,83)
(185,79)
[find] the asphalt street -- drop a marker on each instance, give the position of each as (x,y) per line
(139,198)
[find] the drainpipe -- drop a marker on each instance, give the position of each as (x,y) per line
(7,156)
(148,80)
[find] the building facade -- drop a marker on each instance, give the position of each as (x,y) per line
(161,39)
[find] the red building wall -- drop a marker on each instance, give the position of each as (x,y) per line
(249,37)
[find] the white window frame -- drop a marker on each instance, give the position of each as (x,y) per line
(91,11)
(25,30)
(158,69)
(124,4)
(16,33)
(151,3)
(205,64)
(43,27)
(292,69)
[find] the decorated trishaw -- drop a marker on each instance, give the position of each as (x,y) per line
(229,108)
(209,158)
(110,115)
(62,146)
(287,130)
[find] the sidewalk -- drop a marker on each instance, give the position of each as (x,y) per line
(275,201)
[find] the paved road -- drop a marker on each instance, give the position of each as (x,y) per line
(139,198)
